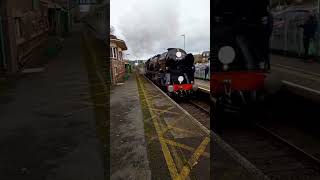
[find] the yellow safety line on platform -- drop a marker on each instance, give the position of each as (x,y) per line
(194,158)
(182,130)
(162,111)
(175,128)
(176,144)
(197,153)
(148,92)
(165,149)
(150,98)
(179,161)
(172,125)
(183,146)
(169,112)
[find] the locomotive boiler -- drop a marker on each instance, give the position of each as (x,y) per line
(173,72)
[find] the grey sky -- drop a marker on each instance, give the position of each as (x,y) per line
(150,27)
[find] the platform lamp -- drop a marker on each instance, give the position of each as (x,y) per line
(184,41)
(127,56)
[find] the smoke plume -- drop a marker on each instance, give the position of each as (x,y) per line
(148,24)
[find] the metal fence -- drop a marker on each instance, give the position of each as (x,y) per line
(200,71)
(287,36)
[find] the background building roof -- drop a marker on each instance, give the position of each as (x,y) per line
(119,42)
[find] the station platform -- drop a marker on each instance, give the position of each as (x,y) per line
(295,64)
(128,148)
(204,85)
(154,138)
(295,75)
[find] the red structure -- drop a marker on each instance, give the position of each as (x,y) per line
(117,46)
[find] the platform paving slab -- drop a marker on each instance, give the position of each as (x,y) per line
(184,146)
(128,149)
(204,84)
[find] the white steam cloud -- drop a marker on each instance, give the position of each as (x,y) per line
(150,27)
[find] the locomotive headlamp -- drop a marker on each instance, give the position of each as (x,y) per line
(170,88)
(180,79)
(178,54)
(226,54)
(225,67)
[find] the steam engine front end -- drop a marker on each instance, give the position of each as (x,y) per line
(240,54)
(173,72)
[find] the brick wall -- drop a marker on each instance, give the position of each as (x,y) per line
(118,71)
(27,30)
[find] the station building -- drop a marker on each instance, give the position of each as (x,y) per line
(24,31)
(205,56)
(117,62)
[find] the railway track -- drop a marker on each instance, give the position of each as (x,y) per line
(199,108)
(269,152)
(276,157)
(201,105)
(197,111)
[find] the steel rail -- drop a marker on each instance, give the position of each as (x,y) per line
(310,156)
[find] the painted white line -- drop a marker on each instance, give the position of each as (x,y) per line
(300,87)
(296,69)
(207,83)
(204,89)
(258,174)
(203,84)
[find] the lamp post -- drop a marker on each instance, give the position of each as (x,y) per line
(184,41)
(127,56)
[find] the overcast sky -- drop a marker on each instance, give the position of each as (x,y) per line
(149,27)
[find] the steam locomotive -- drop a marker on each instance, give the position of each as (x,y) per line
(173,72)
(239,57)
